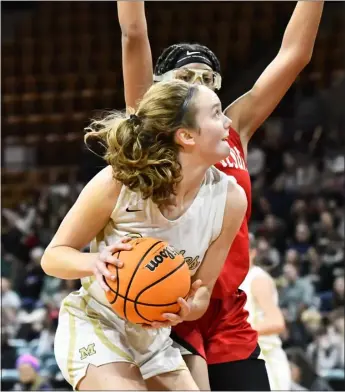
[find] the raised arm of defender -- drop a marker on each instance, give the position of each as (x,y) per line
(252,109)
(136,51)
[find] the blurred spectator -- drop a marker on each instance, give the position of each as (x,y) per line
(31,285)
(273,229)
(29,378)
(335,298)
(8,352)
(267,256)
(296,377)
(45,343)
(302,241)
(312,320)
(292,257)
(10,304)
(326,352)
(297,293)
(287,180)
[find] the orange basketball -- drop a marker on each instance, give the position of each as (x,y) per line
(153,276)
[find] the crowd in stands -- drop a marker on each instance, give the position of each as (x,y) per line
(298,218)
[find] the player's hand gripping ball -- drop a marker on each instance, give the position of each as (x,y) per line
(150,282)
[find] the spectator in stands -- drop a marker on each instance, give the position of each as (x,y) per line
(337,329)
(8,353)
(338,294)
(32,313)
(335,298)
(29,379)
(296,377)
(302,241)
(297,295)
(273,229)
(10,304)
(45,343)
(267,255)
(312,321)
(292,257)
(324,352)
(32,283)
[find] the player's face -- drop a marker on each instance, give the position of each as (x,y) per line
(26,373)
(211,140)
(198,73)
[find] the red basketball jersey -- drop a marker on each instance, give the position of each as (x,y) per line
(237,263)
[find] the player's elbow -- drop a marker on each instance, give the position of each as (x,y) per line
(303,59)
(297,58)
(279,324)
(47,262)
(133,32)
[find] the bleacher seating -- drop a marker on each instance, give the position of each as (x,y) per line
(65,62)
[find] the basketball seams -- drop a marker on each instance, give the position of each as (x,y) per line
(142,303)
(136,302)
(135,306)
(134,273)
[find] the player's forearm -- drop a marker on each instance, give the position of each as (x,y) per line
(64,262)
(300,33)
(270,327)
(132,19)
(137,64)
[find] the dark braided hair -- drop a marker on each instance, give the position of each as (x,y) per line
(167,60)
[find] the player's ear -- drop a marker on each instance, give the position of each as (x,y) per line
(184,137)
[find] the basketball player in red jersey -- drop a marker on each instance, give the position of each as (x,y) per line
(222,336)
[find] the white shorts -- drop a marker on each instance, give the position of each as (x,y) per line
(91,333)
(278,369)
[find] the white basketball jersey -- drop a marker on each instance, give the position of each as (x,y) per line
(256,314)
(191,234)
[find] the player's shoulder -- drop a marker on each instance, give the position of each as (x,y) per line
(259,275)
(103,186)
(236,193)
(236,201)
(106,178)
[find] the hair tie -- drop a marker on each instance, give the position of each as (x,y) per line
(134,119)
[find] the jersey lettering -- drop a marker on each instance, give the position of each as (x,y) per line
(234,160)
(192,263)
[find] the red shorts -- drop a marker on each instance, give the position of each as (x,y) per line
(222,334)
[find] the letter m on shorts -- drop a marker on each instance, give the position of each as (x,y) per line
(88,351)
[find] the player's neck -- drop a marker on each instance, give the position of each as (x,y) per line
(188,188)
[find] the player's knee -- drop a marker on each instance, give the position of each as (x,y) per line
(199,371)
(112,376)
(180,380)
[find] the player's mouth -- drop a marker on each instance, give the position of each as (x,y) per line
(225,138)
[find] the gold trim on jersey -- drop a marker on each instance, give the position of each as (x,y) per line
(93,317)
(98,328)
(86,285)
(71,348)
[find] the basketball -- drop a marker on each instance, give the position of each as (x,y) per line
(154,275)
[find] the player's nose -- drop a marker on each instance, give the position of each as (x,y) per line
(227,122)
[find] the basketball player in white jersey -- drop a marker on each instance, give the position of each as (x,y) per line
(266,317)
(160,182)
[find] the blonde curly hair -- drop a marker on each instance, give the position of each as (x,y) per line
(141,148)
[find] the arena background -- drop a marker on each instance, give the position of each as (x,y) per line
(61,64)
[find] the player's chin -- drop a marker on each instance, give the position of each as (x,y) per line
(223,150)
